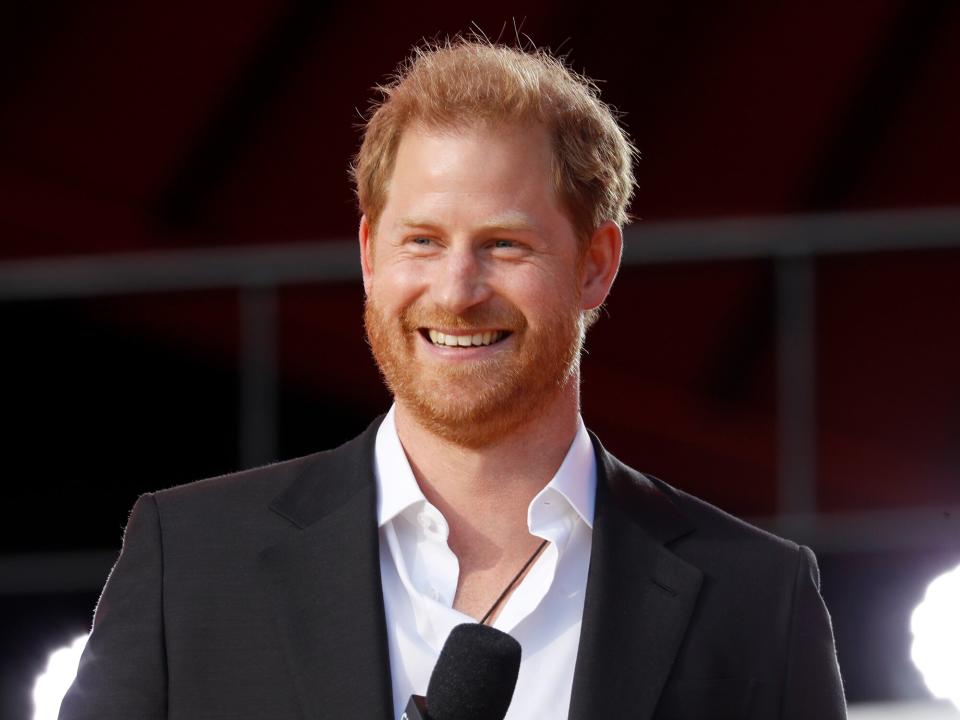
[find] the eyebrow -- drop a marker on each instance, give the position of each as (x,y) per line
(511,222)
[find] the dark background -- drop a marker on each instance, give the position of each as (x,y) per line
(136,127)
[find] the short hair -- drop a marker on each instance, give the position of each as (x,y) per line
(468,80)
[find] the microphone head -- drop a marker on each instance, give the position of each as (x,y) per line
(475,675)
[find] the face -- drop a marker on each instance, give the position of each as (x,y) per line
(475,282)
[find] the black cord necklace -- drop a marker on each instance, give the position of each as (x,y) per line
(509,587)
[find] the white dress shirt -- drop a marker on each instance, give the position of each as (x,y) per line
(419,573)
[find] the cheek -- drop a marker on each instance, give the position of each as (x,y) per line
(543,292)
(397,287)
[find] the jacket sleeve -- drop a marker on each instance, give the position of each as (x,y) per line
(122,672)
(812,686)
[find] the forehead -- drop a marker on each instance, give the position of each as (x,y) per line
(472,173)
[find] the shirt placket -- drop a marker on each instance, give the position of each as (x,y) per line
(428,571)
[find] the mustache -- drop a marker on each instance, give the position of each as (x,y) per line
(503,317)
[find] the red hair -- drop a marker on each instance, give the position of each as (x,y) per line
(466,81)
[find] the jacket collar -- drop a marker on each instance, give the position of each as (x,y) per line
(331,480)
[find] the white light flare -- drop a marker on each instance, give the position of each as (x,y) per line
(52,684)
(935,625)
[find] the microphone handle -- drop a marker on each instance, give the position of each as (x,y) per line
(416,709)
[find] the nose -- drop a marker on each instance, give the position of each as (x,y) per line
(461,281)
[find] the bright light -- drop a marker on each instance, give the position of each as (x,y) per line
(53,683)
(936,637)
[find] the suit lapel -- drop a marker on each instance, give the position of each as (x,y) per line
(639,598)
(325,586)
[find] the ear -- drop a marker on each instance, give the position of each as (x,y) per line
(599,264)
(366,254)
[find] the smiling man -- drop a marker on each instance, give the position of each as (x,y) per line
(493,185)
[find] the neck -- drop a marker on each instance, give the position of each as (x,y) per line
(484,492)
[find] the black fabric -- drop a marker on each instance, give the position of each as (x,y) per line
(257,595)
(475,675)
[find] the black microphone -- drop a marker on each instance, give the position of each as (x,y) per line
(474,677)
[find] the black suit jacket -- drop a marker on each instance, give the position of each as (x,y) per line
(257,595)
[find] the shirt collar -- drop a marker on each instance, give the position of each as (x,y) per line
(574,484)
(397,488)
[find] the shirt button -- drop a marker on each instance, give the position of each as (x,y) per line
(434,526)
(427,522)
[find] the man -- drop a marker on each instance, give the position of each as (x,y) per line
(493,185)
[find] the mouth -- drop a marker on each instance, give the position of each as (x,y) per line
(462,339)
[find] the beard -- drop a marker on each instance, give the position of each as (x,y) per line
(473,403)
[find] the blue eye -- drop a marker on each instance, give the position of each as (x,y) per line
(422,240)
(504,243)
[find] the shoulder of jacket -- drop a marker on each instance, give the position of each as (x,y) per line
(719,525)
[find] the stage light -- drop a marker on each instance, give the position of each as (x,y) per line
(935,624)
(52,683)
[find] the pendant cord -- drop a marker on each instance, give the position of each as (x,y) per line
(513,582)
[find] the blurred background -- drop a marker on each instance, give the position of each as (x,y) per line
(180,295)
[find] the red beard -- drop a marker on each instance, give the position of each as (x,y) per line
(474,403)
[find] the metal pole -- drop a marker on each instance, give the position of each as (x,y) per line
(796,370)
(258,375)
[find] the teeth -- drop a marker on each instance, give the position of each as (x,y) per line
(475,340)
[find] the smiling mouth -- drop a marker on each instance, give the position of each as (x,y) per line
(464,340)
